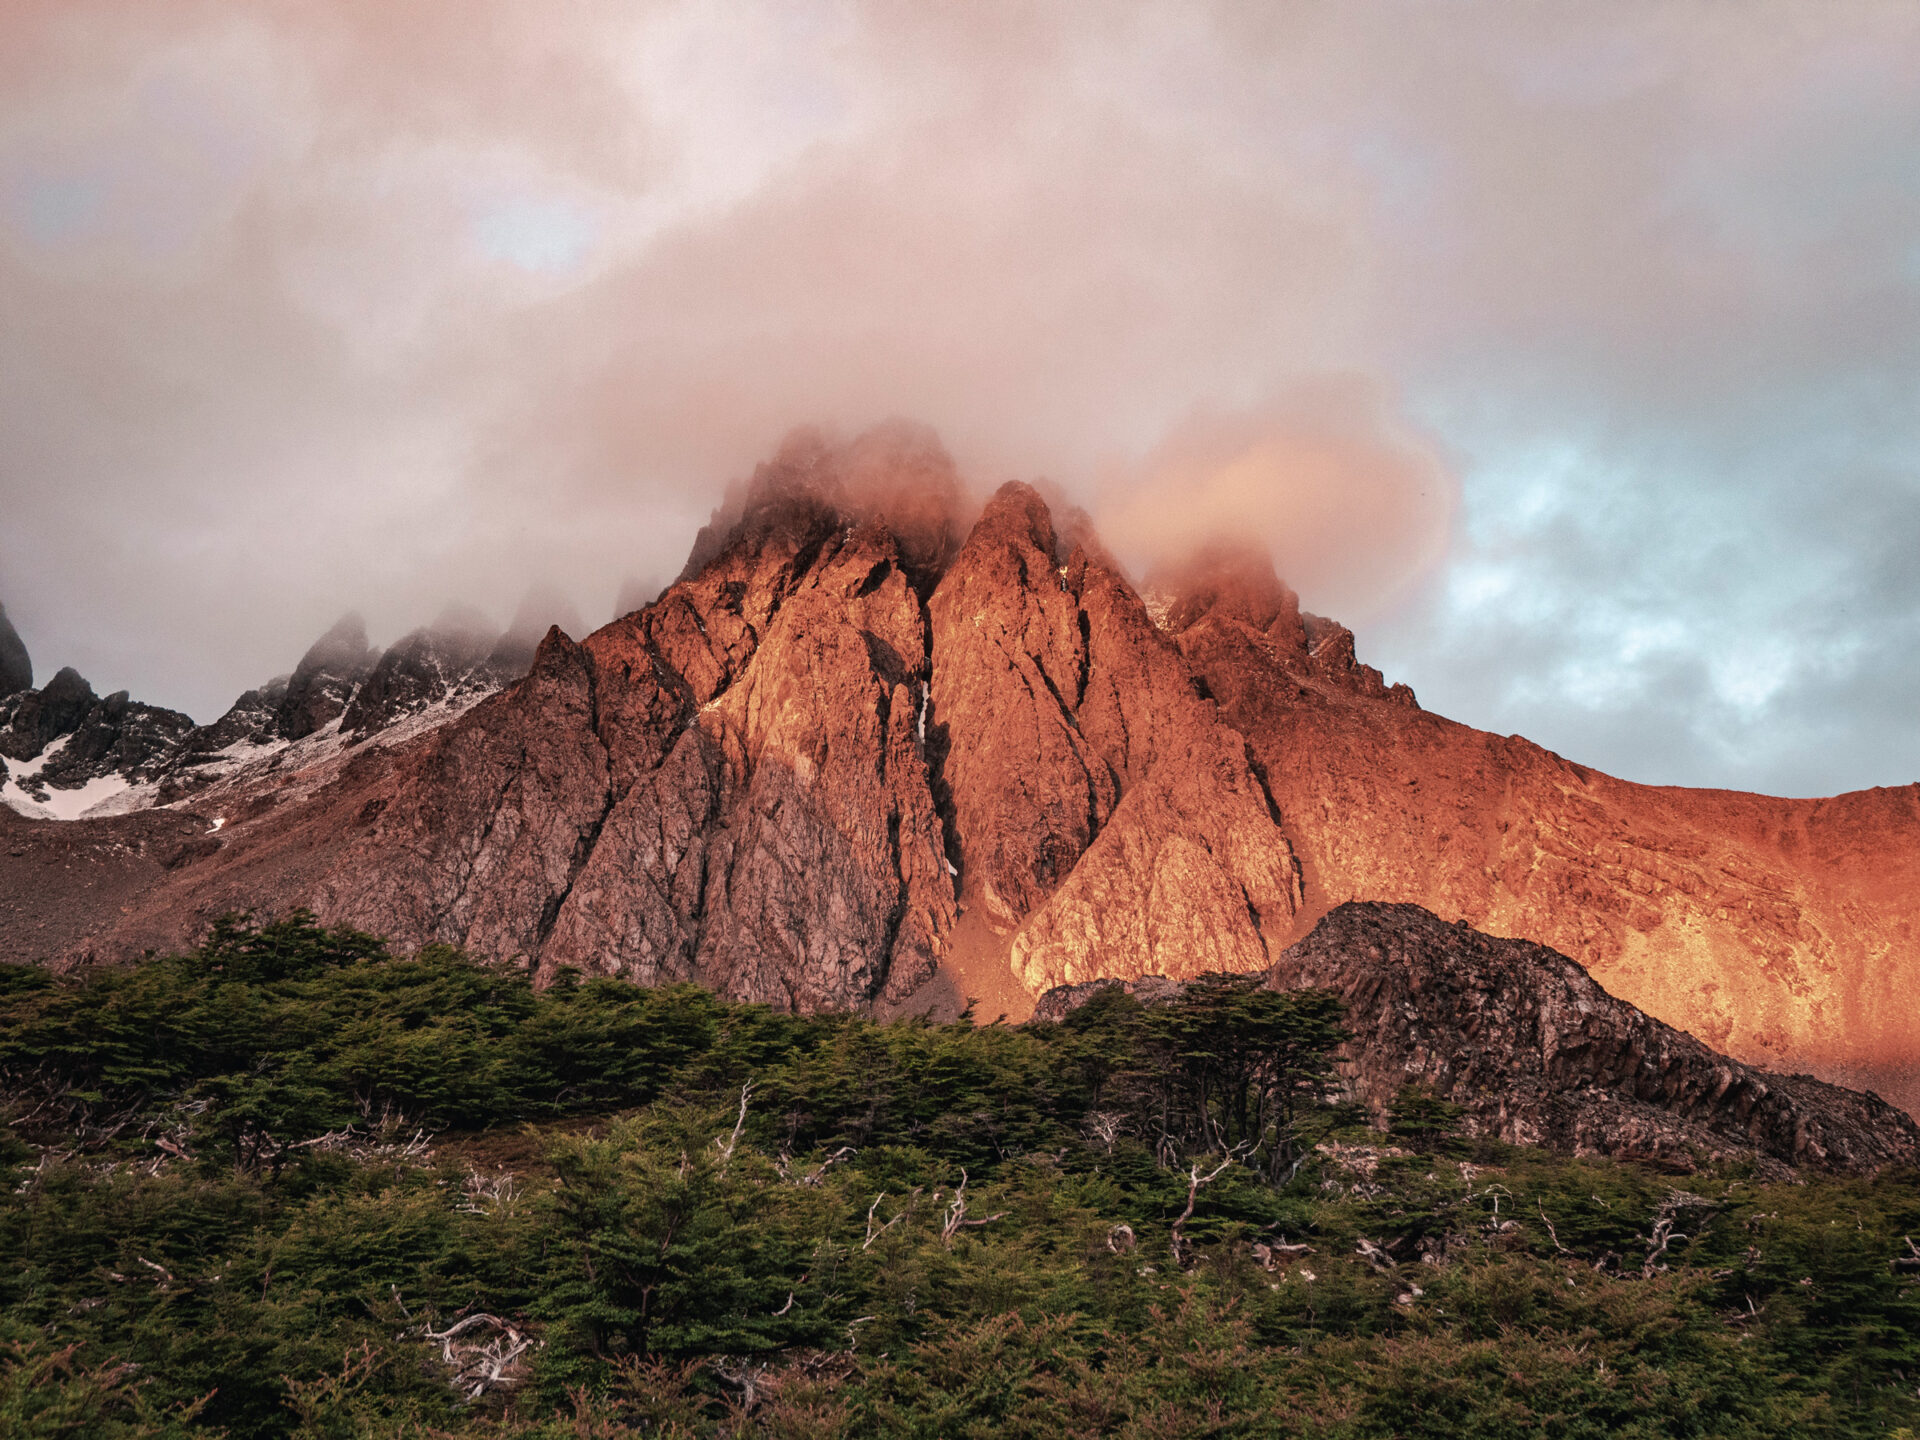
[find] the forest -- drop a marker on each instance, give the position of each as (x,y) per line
(290,1184)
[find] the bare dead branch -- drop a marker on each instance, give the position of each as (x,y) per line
(1552,1234)
(475,1368)
(812,1179)
(1272,1256)
(726,1147)
(1196,1182)
(957,1220)
(1373,1254)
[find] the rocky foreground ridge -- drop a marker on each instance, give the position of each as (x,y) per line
(1537,1053)
(875,748)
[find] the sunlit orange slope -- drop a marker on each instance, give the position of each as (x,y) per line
(1780,931)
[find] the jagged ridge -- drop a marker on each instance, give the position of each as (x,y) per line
(848,759)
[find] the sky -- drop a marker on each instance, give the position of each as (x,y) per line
(1569,353)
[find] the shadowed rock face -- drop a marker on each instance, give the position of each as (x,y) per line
(861,753)
(16,666)
(1537,1053)
(1540,1054)
(73,736)
(427,666)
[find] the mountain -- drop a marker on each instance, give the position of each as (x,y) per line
(864,753)
(1785,932)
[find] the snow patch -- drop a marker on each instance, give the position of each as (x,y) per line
(64,804)
(27,769)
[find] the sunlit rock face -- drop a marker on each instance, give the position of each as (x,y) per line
(1784,932)
(1103,817)
(880,746)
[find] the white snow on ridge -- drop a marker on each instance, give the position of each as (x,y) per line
(293,769)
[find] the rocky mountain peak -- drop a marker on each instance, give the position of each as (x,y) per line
(853,759)
(16,666)
(325,679)
(1235,582)
(42,716)
(896,477)
(422,668)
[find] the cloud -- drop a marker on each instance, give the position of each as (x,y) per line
(1355,507)
(1554,347)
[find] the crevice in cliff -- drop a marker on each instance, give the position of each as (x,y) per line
(1085,659)
(890,934)
(583,846)
(936,743)
(439,916)
(1066,710)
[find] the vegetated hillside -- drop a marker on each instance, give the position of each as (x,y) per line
(286,1184)
(875,751)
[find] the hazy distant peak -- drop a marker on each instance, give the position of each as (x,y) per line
(343,646)
(636,594)
(543,607)
(324,680)
(460,621)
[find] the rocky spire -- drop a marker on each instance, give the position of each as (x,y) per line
(325,679)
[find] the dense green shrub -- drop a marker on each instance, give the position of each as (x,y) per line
(290,1184)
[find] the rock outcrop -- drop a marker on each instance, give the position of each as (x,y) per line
(1536,1052)
(16,666)
(65,738)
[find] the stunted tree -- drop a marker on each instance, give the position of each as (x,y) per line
(1226,1067)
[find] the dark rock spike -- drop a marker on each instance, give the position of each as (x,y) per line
(16,666)
(325,679)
